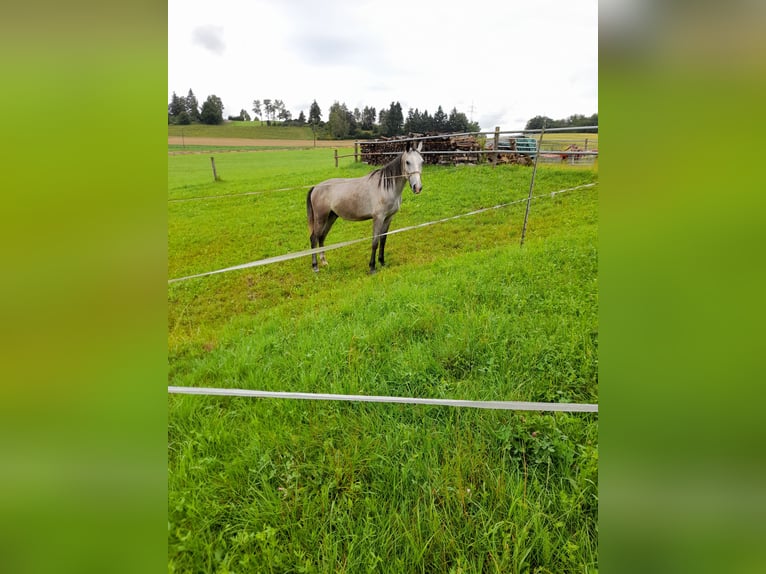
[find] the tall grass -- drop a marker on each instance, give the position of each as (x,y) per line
(460,311)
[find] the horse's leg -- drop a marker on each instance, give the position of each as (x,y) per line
(312,221)
(331,217)
(377,227)
(381,256)
(313,240)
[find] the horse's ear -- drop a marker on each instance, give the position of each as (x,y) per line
(409,146)
(420,146)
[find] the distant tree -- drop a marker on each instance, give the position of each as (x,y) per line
(192,106)
(301,119)
(278,110)
(212,110)
(315,114)
(573,121)
(382,119)
(394,120)
(183,119)
(353,124)
(268,109)
(457,121)
(338,121)
(410,124)
(257,110)
(426,122)
(537,122)
(368,118)
(244,115)
(441,121)
(176,106)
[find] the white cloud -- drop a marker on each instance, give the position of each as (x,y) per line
(210,38)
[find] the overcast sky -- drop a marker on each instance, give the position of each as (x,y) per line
(500,62)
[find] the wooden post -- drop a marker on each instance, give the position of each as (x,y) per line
(586,144)
(356,152)
(336,157)
(496,144)
(531,186)
(212,162)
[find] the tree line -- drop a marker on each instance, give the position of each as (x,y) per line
(573,121)
(343,123)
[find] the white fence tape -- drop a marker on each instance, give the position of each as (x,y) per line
(297,254)
(501,405)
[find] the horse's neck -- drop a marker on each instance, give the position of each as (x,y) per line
(398,178)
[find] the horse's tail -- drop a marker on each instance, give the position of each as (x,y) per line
(310,212)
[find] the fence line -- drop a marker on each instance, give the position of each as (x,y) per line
(297,254)
(500,151)
(496,405)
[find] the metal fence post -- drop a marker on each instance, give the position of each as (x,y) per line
(531,186)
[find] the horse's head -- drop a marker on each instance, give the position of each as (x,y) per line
(412,165)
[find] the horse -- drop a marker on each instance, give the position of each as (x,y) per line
(376,196)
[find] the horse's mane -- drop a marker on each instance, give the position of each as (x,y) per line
(390,171)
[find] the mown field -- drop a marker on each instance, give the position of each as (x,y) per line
(460,311)
(252,130)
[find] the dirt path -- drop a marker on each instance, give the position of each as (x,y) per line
(246,142)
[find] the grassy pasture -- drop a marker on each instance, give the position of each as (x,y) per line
(460,311)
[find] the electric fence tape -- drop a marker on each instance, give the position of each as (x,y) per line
(497,405)
(297,254)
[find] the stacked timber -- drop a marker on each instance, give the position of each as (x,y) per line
(517,158)
(440,149)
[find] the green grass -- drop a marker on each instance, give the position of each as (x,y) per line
(460,311)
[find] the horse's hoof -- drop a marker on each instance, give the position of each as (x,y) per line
(373,271)
(315,269)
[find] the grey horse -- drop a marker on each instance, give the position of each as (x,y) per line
(376,196)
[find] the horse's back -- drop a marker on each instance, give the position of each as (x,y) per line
(349,198)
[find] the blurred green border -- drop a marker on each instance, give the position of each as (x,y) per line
(83,485)
(681,284)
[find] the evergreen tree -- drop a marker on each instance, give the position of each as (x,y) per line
(301,119)
(426,122)
(394,120)
(257,110)
(192,106)
(440,121)
(176,106)
(315,114)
